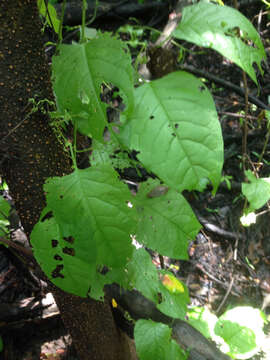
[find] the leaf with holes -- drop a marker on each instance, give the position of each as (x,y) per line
(176,131)
(86,225)
(224,29)
(78,73)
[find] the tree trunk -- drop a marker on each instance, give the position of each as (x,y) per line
(30,153)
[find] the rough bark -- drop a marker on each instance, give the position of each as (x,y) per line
(30,153)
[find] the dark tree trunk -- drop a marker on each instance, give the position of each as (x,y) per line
(30,153)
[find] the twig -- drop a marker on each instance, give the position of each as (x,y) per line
(226,296)
(23,250)
(245,124)
(237,115)
(48,13)
(226,84)
(140,307)
(84,7)
(216,230)
(19,124)
(60,29)
(265,143)
(212,277)
(260,21)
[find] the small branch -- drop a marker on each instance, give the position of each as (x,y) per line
(235,292)
(245,124)
(226,296)
(240,91)
(237,115)
(21,249)
(186,335)
(217,230)
(266,141)
(60,30)
(83,21)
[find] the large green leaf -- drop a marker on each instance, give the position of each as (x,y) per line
(90,227)
(142,274)
(153,341)
(78,73)
(166,222)
(176,131)
(224,29)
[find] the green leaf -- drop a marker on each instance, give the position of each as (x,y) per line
(257,192)
(172,284)
(78,73)
(241,328)
(90,228)
(4,213)
(166,222)
(101,153)
(1,344)
(174,295)
(4,208)
(153,341)
(224,29)
(49,14)
(203,320)
(176,131)
(89,33)
(142,274)
(109,153)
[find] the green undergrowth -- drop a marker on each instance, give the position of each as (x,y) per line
(92,218)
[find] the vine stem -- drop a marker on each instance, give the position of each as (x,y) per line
(60,31)
(83,20)
(46,2)
(245,125)
(94,15)
(266,140)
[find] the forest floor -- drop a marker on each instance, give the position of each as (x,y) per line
(229,264)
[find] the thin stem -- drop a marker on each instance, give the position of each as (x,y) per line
(83,20)
(265,144)
(48,13)
(60,34)
(237,115)
(245,125)
(74,148)
(94,15)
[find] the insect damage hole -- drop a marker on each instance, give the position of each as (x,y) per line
(47,216)
(69,239)
(54,243)
(69,251)
(56,273)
